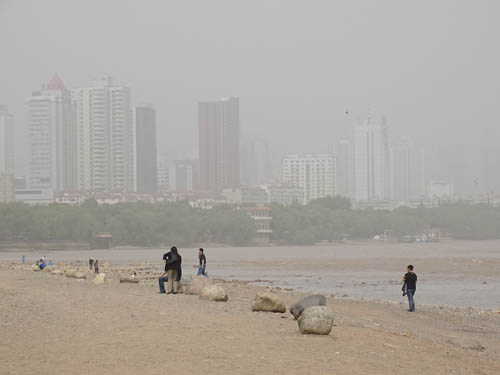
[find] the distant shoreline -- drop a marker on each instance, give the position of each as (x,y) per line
(14,246)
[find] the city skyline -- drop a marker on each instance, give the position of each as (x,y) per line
(96,116)
(438,86)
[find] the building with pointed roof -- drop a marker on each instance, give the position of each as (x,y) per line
(52,138)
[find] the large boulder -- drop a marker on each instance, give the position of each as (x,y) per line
(75,274)
(99,279)
(213,292)
(316,320)
(71,272)
(35,268)
(128,279)
(196,284)
(269,302)
(306,302)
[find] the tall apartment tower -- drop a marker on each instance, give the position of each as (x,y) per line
(7,154)
(219,144)
(145,149)
(105,137)
(314,173)
(255,163)
(52,135)
(163,174)
(371,162)
(344,168)
(186,175)
(407,171)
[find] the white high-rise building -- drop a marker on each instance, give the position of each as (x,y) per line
(314,173)
(163,174)
(52,135)
(105,137)
(371,162)
(7,155)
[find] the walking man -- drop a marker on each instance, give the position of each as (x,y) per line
(91,263)
(410,286)
(202,269)
(96,266)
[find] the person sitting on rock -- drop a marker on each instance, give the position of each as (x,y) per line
(164,277)
(42,264)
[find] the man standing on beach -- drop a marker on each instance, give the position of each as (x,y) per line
(410,286)
(174,270)
(91,263)
(202,269)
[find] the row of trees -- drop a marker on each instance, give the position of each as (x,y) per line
(142,224)
(329,219)
(135,224)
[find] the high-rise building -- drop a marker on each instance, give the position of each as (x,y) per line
(105,137)
(255,163)
(7,154)
(7,189)
(52,135)
(371,162)
(186,175)
(344,168)
(145,151)
(314,173)
(407,171)
(163,174)
(219,144)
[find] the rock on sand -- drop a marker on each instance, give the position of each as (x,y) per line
(35,268)
(269,302)
(306,302)
(71,272)
(75,274)
(214,292)
(128,279)
(99,279)
(317,320)
(197,284)
(56,272)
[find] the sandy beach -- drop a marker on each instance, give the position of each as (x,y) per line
(54,324)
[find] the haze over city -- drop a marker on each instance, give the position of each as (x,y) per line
(297,67)
(226,187)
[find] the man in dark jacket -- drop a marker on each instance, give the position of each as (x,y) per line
(173,267)
(410,286)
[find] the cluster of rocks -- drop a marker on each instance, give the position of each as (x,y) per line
(311,312)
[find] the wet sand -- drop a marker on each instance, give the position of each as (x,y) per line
(52,324)
(455,273)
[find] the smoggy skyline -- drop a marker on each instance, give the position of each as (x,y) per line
(297,67)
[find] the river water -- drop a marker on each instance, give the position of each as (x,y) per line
(455,273)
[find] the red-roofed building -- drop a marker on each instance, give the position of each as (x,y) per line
(55,83)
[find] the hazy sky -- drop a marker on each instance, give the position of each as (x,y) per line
(432,67)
